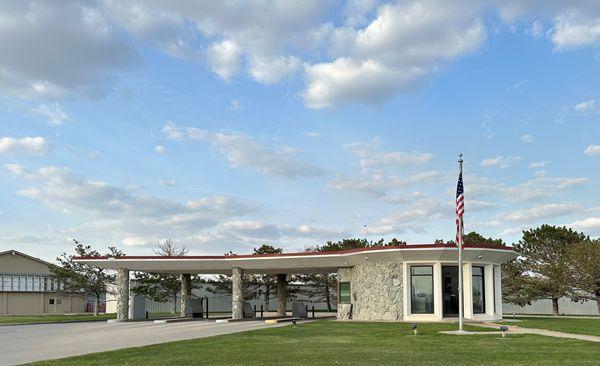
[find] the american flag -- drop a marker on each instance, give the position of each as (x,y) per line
(460,209)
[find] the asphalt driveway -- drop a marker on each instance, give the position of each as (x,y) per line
(27,343)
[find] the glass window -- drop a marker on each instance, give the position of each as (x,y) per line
(344,289)
(51,301)
(478,291)
(421,289)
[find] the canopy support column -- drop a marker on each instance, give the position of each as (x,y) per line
(122,294)
(281,294)
(186,294)
(237,294)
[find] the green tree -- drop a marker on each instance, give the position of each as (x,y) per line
(544,250)
(83,279)
(161,287)
(584,260)
(474,238)
(266,283)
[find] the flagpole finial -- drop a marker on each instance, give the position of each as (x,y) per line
(460,159)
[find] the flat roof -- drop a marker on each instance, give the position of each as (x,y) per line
(302,262)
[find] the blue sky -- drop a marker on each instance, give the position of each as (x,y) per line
(292,123)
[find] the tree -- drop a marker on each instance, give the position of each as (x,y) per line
(161,287)
(267,284)
(584,260)
(83,279)
(474,238)
(544,251)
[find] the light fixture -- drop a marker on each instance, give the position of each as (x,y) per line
(413,326)
(503,329)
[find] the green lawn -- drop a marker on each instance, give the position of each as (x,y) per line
(353,343)
(569,325)
(52,318)
(58,318)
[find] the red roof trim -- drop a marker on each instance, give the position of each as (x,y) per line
(348,251)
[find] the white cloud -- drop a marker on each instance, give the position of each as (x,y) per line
(236,105)
(588,106)
(500,161)
(41,56)
(527,138)
(575,23)
(168,182)
(19,171)
(531,190)
(535,213)
(592,150)
(95,154)
(372,159)
(120,213)
(271,70)
(402,45)
(241,150)
(53,112)
(311,134)
(225,58)
(159,149)
(590,224)
(538,164)
(25,145)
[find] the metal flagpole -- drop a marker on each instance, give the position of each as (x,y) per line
(460,263)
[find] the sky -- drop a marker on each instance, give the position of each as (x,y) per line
(226,125)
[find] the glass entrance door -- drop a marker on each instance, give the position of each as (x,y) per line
(450,290)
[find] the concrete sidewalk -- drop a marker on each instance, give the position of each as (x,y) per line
(544,332)
(28,343)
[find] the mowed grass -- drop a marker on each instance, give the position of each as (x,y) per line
(569,325)
(52,318)
(59,318)
(352,343)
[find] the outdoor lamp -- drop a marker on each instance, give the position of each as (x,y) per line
(294,323)
(504,329)
(413,326)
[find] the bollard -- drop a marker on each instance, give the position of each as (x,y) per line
(504,329)
(206,299)
(413,326)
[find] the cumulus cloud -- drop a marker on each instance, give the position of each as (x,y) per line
(25,145)
(225,58)
(592,150)
(241,150)
(59,49)
(168,182)
(403,44)
(538,164)
(159,149)
(500,161)
(539,212)
(590,224)
(588,106)
(575,23)
(534,189)
(106,208)
(53,113)
(372,159)
(527,138)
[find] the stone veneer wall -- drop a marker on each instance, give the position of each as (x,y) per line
(375,291)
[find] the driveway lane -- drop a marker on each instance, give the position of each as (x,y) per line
(27,343)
